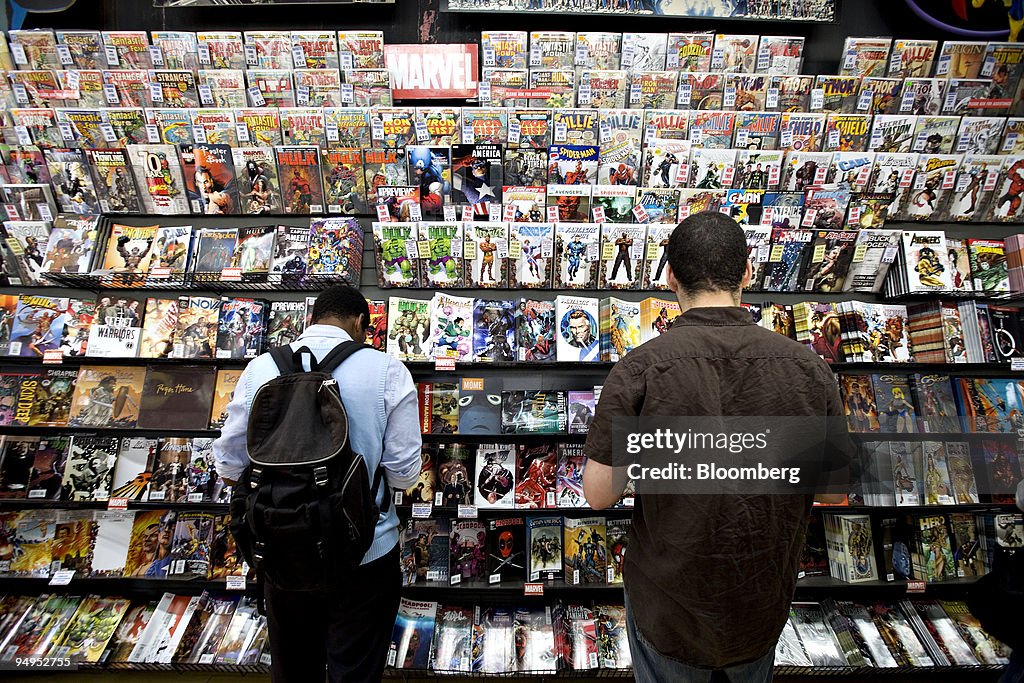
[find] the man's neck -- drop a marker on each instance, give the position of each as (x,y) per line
(708,300)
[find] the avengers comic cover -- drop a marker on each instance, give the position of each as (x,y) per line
(544,539)
(525,204)
(336,248)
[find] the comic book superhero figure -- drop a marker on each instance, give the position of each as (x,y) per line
(574,253)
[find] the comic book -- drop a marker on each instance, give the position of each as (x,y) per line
(576,255)
(361,49)
(32,202)
(396,254)
(240,330)
(352,125)
(1006,205)
(666,163)
(196,332)
(495,478)
(689,52)
(801,132)
(528,412)
(493,331)
(935,134)
(383,167)
(825,207)
(620,334)
(409,328)
(476,177)
(622,249)
(578,336)
(734,53)
(190,549)
(215,249)
(398,202)
(975,187)
(503,49)
(451,323)
(442,126)
(535,479)
(979,135)
(256,180)
(757,130)
(116,330)
(443,265)
(224,388)
(552,49)
(41,127)
(317,88)
(712,169)
(666,124)
(559,84)
(966,96)
(115,187)
(534,129)
(370,87)
(846,132)
(585,551)
(336,248)
(616,201)
(486,253)
(159,177)
(217,125)
(835,94)
(38,325)
(526,168)
(933,186)
(789,93)
(744,206)
(263,126)
(26,242)
(71,245)
(299,172)
(535,331)
(988,265)
(892,134)
(430,172)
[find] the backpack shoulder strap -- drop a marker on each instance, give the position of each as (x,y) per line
(338,355)
(284,358)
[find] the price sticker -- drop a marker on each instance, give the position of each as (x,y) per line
(950,101)
(634,93)
(684,94)
(455,580)
(672,60)
(776,253)
(493,579)
(71,80)
(509,212)
(863,176)
(771,100)
(896,64)
(767,214)
(422,134)
(160,273)
(552,214)
(764,59)
(64,55)
(494,216)
(1010,142)
(961,144)
(948,180)
(299,57)
(1017,364)
(62,577)
(820,174)
(21,93)
(110,94)
(467,214)
(728,175)
(876,140)
(515,131)
(786,138)
(194,498)
(36,493)
(489,57)
(583,95)
(809,217)
(717,59)
(53,357)
(24,138)
(156,92)
(650,135)
(206,95)
(628,54)
(12,214)
(347,93)
(742,137)
(376,129)
(865,100)
(302,95)
(961,182)
(850,61)
(991,180)
(859,252)
(346,61)
(422,510)
(199,135)
(468,134)
(763,253)
(683,174)
(582,56)
(561,132)
(921,141)
(906,178)
(627,502)
(449,214)
(256,97)
(729,97)
(611,575)
(67,132)
(231,275)
(696,136)
(108,133)
(483,91)
(817,99)
(988,67)
(152,134)
(331,131)
(242,132)
(156,55)
(605,132)
(833,139)
(725,209)
(536,56)
(533,588)
(18,54)
(252,58)
(44,212)
(113,59)
(415,213)
(773,177)
(640,213)
(234,582)
(943,66)
(468,512)
(907,101)
(599,216)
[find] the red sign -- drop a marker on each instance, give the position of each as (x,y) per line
(420,72)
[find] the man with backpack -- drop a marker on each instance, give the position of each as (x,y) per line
(317,434)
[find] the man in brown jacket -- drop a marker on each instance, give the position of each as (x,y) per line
(709,578)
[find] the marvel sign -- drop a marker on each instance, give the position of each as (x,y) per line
(421,72)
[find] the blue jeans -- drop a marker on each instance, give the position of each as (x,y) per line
(650,666)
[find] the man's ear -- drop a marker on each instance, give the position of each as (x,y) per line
(748,274)
(670,278)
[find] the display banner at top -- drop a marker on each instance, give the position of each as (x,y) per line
(420,72)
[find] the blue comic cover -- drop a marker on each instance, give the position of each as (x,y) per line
(493,330)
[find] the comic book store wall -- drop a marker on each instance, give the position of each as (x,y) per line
(180,177)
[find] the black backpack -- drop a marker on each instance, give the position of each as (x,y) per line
(303,513)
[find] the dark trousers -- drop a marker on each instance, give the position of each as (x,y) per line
(345,632)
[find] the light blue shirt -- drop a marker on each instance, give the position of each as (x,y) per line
(380,398)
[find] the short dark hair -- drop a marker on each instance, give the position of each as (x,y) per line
(341,301)
(708,252)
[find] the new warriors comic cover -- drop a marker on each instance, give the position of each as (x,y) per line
(485,253)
